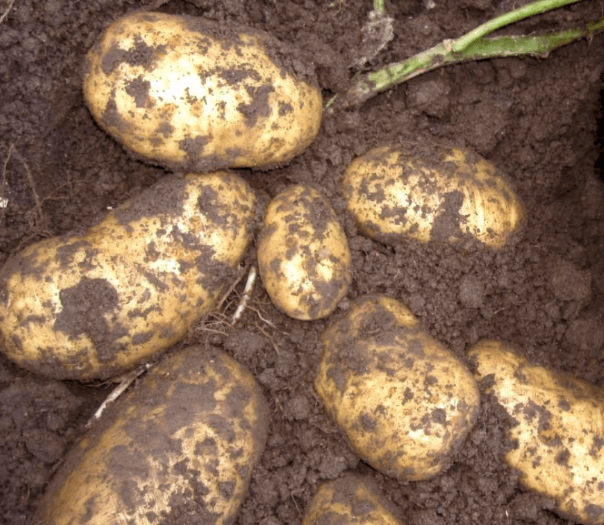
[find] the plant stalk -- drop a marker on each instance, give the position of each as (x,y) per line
(471,46)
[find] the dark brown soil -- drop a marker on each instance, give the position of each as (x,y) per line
(535,118)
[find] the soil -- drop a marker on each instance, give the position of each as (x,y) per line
(535,118)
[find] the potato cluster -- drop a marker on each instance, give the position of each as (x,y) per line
(558,434)
(190,94)
(96,304)
(183,443)
(402,399)
(193,96)
(431,193)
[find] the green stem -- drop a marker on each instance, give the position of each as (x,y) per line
(475,48)
(378,7)
(516,15)
(537,45)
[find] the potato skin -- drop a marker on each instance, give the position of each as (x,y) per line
(560,432)
(303,254)
(404,401)
(95,304)
(431,193)
(191,94)
(350,500)
(182,442)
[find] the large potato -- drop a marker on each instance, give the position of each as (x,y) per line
(559,433)
(303,254)
(431,193)
(191,94)
(179,448)
(95,304)
(404,401)
(350,500)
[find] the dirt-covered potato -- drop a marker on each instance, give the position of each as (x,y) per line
(178,448)
(559,436)
(431,193)
(404,401)
(303,254)
(192,94)
(94,304)
(350,500)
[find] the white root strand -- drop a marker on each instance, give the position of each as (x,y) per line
(5,14)
(117,392)
(247,291)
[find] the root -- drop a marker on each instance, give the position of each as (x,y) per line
(218,321)
(7,10)
(229,291)
(32,185)
(213,323)
(249,286)
(34,216)
(125,382)
(269,337)
(3,200)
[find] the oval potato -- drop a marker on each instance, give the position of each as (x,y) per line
(559,436)
(95,304)
(431,193)
(350,500)
(192,94)
(403,400)
(303,254)
(182,443)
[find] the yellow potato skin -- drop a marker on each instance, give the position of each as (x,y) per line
(431,194)
(95,304)
(560,432)
(182,442)
(190,94)
(303,254)
(350,500)
(403,400)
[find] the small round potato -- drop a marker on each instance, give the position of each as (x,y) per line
(97,303)
(303,254)
(350,500)
(431,193)
(178,448)
(559,435)
(191,94)
(404,401)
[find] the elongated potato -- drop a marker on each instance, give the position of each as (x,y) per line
(95,304)
(404,401)
(431,193)
(192,94)
(559,436)
(303,254)
(350,500)
(180,446)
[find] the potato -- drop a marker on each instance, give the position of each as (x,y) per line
(350,500)
(559,436)
(94,304)
(179,448)
(191,94)
(303,254)
(403,400)
(431,193)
